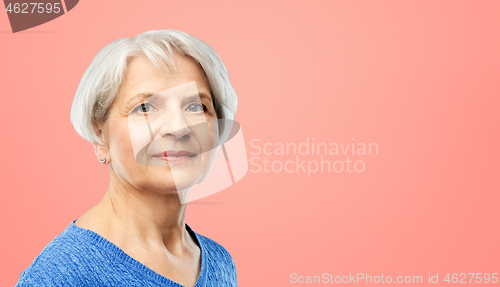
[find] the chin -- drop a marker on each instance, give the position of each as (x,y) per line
(166,183)
(171,179)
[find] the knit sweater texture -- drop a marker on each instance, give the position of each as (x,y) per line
(81,257)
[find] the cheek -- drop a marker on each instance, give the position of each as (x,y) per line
(121,148)
(206,135)
(206,163)
(140,134)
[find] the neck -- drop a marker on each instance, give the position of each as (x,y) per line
(148,218)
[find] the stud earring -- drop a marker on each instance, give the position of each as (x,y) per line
(103,160)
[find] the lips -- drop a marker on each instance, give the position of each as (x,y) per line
(174,156)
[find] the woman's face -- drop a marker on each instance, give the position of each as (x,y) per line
(160,131)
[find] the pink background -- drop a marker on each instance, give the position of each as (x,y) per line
(420,78)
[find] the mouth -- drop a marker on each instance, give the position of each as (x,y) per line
(173,156)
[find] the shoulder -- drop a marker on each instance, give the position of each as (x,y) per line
(219,261)
(64,261)
(214,249)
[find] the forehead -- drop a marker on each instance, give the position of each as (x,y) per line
(143,76)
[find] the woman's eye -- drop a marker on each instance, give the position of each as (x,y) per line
(195,108)
(143,108)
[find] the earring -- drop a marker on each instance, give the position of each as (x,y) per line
(103,160)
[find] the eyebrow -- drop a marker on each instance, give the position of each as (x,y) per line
(200,96)
(142,96)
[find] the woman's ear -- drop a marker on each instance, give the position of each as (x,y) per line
(101,150)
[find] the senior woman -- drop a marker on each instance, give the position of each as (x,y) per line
(142,97)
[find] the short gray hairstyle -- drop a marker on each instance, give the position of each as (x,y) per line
(102,80)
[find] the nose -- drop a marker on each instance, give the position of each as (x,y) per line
(174,125)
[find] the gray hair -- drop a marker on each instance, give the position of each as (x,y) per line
(103,78)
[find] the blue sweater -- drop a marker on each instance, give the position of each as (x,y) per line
(81,257)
